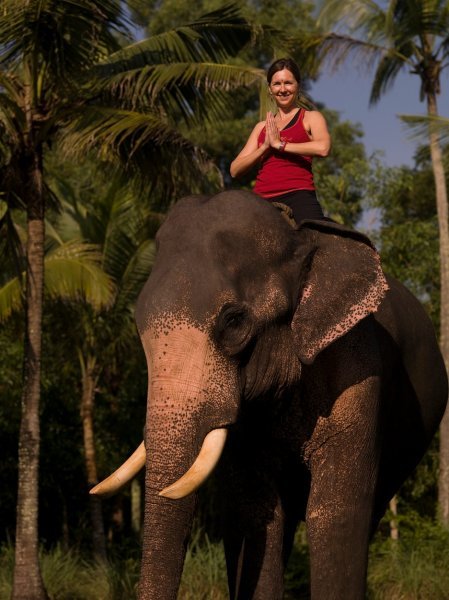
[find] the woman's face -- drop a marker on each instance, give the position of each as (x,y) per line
(284,88)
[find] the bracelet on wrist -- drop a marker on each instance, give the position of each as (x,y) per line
(282,145)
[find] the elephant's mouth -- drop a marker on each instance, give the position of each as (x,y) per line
(206,461)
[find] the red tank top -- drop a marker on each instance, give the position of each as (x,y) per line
(281,172)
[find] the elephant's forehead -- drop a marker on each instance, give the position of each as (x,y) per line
(237,244)
(198,268)
(228,224)
(170,324)
(180,296)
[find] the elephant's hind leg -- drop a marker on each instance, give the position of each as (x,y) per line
(258,532)
(255,557)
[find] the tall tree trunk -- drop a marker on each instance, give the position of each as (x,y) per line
(89,383)
(28,583)
(442,211)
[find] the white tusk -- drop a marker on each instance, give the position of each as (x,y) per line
(203,466)
(122,475)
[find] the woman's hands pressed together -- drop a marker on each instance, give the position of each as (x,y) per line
(272,137)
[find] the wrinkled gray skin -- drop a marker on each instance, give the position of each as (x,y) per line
(251,325)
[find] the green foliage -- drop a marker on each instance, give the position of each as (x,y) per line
(289,16)
(408,237)
(124,103)
(72,273)
(223,136)
(11,352)
(346,176)
(419,492)
(297,574)
(204,575)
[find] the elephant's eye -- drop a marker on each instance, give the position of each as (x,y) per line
(233,328)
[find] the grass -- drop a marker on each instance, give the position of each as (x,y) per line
(204,575)
(414,568)
(67,576)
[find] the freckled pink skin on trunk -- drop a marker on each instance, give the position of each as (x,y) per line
(192,390)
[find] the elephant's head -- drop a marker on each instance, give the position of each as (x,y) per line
(236,301)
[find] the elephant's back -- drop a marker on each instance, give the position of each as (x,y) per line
(409,332)
(404,317)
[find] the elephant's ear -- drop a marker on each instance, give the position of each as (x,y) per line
(342,283)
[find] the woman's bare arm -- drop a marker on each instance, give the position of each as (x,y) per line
(251,152)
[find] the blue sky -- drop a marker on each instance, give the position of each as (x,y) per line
(348,92)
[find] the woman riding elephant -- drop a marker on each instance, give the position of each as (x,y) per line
(285,145)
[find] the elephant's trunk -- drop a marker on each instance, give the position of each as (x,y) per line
(184,410)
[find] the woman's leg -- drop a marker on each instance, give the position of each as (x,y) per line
(304,205)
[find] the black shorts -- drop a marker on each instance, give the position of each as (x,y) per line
(303,203)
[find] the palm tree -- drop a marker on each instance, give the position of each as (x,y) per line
(72,273)
(123,230)
(410,35)
(63,73)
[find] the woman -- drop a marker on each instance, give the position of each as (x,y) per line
(285,145)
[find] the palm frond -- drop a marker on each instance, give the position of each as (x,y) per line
(213,37)
(387,70)
(142,144)
(348,17)
(333,49)
(12,86)
(421,125)
(415,18)
(120,244)
(108,130)
(73,273)
(64,35)
(11,244)
(179,86)
(11,299)
(12,120)
(137,272)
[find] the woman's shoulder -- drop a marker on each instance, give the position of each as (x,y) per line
(313,115)
(258,127)
(313,119)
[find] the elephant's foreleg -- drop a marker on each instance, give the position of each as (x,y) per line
(340,509)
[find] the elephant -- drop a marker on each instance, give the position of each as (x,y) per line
(281,355)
